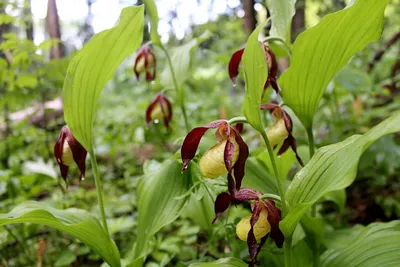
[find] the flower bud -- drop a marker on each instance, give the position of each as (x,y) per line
(261,228)
(212,163)
(157,112)
(159,109)
(67,157)
(277,133)
(145,63)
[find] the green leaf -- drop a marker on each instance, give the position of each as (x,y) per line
(181,58)
(26,81)
(158,200)
(75,222)
(323,50)
(65,258)
(281,17)
(375,245)
(283,162)
(228,262)
(333,167)
(255,75)
(152,12)
(354,80)
(258,177)
(93,67)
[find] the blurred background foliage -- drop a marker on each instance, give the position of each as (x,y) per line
(39,37)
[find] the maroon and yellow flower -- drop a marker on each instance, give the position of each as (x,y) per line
(159,109)
(281,131)
(145,62)
(233,67)
(68,150)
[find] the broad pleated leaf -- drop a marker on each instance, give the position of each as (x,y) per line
(255,74)
(323,50)
(159,194)
(281,17)
(227,262)
(94,66)
(257,176)
(152,12)
(75,222)
(333,167)
(375,245)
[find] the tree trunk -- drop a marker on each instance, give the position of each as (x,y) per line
(298,22)
(53,27)
(28,20)
(249,19)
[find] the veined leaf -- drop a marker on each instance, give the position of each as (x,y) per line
(255,75)
(333,167)
(93,67)
(181,57)
(228,262)
(323,50)
(75,222)
(258,177)
(159,203)
(281,17)
(152,12)
(376,245)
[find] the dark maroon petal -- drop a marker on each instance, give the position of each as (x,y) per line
(274,217)
(239,127)
(228,153)
(288,120)
(58,151)
(294,148)
(274,84)
(79,153)
(233,67)
(251,239)
(285,146)
(150,75)
(246,194)
(273,70)
(231,185)
(150,108)
(221,204)
(239,166)
(192,140)
(166,109)
(269,106)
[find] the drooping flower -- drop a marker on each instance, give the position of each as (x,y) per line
(145,62)
(228,155)
(263,221)
(159,109)
(68,150)
(281,131)
(233,67)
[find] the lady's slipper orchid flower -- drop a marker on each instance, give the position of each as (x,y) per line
(233,67)
(229,154)
(159,108)
(67,150)
(281,130)
(145,62)
(263,221)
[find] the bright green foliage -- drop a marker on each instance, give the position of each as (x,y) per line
(152,12)
(93,67)
(228,262)
(255,75)
(375,245)
(159,203)
(332,168)
(323,50)
(281,17)
(75,222)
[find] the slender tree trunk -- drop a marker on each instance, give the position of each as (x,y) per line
(298,22)
(249,19)
(53,27)
(28,20)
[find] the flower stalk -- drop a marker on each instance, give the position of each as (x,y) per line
(179,91)
(99,190)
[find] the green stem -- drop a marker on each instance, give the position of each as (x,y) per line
(179,91)
(99,190)
(276,174)
(288,251)
(310,141)
(237,120)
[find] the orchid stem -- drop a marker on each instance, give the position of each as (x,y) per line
(99,190)
(237,120)
(179,91)
(276,174)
